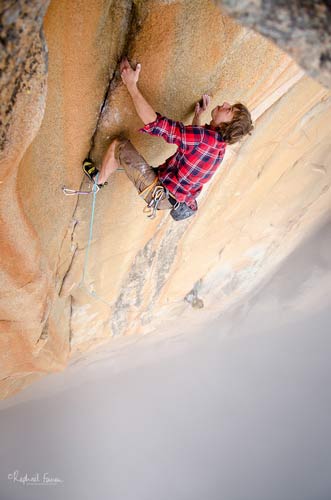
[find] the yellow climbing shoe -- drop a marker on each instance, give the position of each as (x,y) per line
(91,171)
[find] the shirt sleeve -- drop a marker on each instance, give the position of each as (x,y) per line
(174,132)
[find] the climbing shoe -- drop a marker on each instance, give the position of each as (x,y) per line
(181,211)
(91,171)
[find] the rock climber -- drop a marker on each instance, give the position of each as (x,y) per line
(176,183)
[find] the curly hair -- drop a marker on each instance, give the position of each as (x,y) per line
(240,125)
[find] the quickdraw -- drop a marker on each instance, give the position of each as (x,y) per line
(159,193)
(72,192)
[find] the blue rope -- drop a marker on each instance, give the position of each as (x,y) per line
(82,282)
(95,190)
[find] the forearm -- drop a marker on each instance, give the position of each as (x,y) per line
(143,108)
(196,120)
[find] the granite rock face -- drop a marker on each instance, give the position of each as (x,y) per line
(140,275)
(26,285)
(300,27)
(23,56)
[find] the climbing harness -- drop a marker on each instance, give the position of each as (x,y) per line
(145,191)
(159,193)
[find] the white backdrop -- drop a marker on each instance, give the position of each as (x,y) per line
(240,411)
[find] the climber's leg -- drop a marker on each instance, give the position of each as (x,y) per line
(109,162)
(140,173)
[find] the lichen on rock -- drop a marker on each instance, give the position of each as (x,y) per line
(23,54)
(300,27)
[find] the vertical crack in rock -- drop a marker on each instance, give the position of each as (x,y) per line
(67,272)
(73,250)
(44,333)
(133,22)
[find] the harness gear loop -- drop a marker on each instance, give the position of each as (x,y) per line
(145,191)
(159,193)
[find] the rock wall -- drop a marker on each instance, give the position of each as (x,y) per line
(24,271)
(268,194)
(301,27)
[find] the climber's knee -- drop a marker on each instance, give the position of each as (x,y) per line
(118,144)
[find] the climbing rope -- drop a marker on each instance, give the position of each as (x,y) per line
(82,283)
(95,189)
(76,192)
(157,195)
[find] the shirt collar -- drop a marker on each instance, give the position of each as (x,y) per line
(213,129)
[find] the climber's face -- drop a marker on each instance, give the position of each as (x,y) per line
(222,114)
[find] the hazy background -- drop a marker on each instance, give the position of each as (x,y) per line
(240,411)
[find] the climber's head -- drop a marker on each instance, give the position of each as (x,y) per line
(233,122)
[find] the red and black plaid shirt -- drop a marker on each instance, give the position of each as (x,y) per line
(200,151)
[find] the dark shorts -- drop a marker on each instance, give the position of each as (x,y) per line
(141,174)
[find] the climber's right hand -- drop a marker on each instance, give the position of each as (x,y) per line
(202,105)
(129,75)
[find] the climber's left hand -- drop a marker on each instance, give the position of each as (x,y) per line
(129,75)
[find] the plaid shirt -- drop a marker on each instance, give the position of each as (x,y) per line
(200,151)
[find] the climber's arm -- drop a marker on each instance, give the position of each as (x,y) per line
(172,131)
(130,78)
(144,109)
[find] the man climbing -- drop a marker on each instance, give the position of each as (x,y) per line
(176,183)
